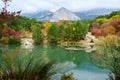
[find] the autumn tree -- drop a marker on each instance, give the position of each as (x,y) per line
(116,24)
(7,16)
(97,32)
(110,30)
(8,32)
(6,3)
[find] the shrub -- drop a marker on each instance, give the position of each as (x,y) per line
(14,40)
(67,77)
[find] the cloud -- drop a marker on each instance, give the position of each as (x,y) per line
(73,5)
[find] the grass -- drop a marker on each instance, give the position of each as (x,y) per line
(24,67)
(110,40)
(109,50)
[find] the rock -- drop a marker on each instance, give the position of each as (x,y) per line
(63,14)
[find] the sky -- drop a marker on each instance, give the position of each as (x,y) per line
(30,6)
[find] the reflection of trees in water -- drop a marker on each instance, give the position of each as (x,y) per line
(50,53)
(44,53)
(10,50)
(62,55)
(37,51)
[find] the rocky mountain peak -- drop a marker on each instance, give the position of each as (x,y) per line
(63,14)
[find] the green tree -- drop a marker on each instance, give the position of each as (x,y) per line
(76,31)
(37,35)
(61,32)
(52,34)
(68,33)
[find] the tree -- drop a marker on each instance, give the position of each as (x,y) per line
(109,30)
(116,24)
(76,31)
(52,34)
(97,32)
(6,4)
(80,31)
(61,32)
(8,32)
(37,35)
(6,16)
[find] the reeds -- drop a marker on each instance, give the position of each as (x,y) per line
(109,50)
(24,67)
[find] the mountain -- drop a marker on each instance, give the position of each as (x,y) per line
(90,14)
(40,16)
(63,14)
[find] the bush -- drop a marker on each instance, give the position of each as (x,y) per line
(67,77)
(14,40)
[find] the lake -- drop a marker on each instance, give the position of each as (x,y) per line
(78,62)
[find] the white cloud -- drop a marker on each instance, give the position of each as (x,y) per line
(73,5)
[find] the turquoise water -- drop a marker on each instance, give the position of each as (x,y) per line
(78,62)
(56,53)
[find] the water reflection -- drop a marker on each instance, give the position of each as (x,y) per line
(84,71)
(62,55)
(49,53)
(9,49)
(68,61)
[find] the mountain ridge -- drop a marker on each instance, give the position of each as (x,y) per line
(84,15)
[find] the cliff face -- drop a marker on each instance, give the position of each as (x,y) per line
(63,14)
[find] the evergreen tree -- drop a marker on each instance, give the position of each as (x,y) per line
(37,35)
(52,34)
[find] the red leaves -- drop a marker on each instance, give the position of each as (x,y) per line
(110,28)
(14,33)
(7,32)
(116,24)
(97,32)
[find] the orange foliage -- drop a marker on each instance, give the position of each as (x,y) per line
(109,30)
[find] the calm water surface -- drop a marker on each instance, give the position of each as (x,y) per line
(78,62)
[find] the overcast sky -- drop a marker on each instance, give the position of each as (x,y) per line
(28,6)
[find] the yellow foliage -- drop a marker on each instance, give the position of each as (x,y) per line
(116,16)
(102,20)
(47,25)
(70,23)
(74,29)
